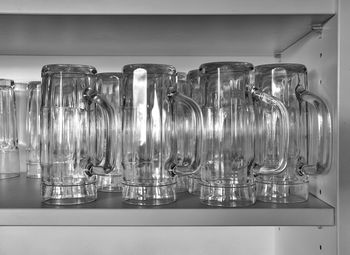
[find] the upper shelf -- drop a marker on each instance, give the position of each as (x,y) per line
(154,35)
(20,205)
(153,7)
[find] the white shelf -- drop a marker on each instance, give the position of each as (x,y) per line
(157,35)
(20,205)
(152,7)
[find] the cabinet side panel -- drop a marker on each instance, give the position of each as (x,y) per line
(305,241)
(318,52)
(136,240)
(344,128)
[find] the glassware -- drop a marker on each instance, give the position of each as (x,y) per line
(108,85)
(183,124)
(193,82)
(21,95)
(181,83)
(310,130)
(9,152)
(33,130)
(230,128)
(150,160)
(68,117)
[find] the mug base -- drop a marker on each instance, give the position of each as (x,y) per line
(181,184)
(149,195)
(282,193)
(33,170)
(194,185)
(9,164)
(233,196)
(109,183)
(68,194)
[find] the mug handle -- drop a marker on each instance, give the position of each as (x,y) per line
(324,134)
(107,165)
(282,113)
(177,98)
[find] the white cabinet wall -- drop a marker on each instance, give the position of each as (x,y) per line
(110,34)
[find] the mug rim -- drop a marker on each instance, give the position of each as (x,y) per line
(150,68)
(289,67)
(225,66)
(7,83)
(109,75)
(68,68)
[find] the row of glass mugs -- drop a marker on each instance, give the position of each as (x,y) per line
(144,131)
(310,131)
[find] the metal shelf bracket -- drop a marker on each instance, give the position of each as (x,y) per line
(314,29)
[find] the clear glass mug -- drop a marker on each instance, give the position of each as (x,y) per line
(108,85)
(150,160)
(193,82)
(229,163)
(68,116)
(9,152)
(33,130)
(309,150)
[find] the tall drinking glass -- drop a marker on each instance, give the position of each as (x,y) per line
(310,130)
(9,153)
(150,159)
(230,128)
(67,117)
(108,85)
(33,130)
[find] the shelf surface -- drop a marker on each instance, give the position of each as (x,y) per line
(168,7)
(157,35)
(20,204)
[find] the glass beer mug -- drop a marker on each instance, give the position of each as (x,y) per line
(9,152)
(229,164)
(68,120)
(309,150)
(150,160)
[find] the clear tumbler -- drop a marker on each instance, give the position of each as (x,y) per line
(33,130)
(150,160)
(310,130)
(68,117)
(229,163)
(108,85)
(9,152)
